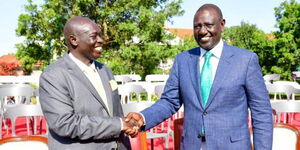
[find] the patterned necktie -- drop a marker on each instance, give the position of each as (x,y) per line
(206,78)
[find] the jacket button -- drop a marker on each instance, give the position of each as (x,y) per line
(205,113)
(200,136)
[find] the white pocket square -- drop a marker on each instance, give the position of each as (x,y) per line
(113,85)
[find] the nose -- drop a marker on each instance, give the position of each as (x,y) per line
(100,40)
(203,30)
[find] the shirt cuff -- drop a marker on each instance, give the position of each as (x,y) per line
(143,119)
(121,124)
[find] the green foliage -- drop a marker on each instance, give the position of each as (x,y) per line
(279,51)
(288,38)
(250,37)
(186,44)
(119,20)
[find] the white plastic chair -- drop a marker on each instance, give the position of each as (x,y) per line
(288,90)
(157,78)
(159,89)
(126,91)
(21,93)
(285,107)
(133,77)
(122,79)
(24,110)
(18,93)
(269,78)
(296,75)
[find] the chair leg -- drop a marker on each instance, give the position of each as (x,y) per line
(1,127)
(27,125)
(167,142)
(152,144)
(13,128)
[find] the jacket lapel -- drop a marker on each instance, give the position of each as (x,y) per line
(221,72)
(105,81)
(81,77)
(195,72)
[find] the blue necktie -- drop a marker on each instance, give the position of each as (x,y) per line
(206,78)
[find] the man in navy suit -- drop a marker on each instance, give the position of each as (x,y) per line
(216,93)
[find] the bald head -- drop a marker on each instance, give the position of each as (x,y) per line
(74,26)
(208,26)
(211,7)
(83,38)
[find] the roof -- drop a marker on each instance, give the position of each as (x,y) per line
(181,32)
(9,58)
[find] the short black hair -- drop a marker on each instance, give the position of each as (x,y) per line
(212,6)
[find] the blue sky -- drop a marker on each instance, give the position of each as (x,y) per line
(259,12)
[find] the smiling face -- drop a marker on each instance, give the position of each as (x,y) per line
(208,27)
(85,40)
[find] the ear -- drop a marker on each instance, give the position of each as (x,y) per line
(73,40)
(223,25)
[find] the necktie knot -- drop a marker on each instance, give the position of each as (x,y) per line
(207,55)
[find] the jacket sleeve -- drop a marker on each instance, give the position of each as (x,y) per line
(260,107)
(168,104)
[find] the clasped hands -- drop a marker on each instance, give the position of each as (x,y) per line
(132,123)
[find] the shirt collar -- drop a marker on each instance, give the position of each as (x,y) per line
(83,67)
(217,50)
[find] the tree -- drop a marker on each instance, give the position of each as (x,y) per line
(134,31)
(288,38)
(250,37)
(186,43)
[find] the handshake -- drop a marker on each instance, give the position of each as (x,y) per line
(132,123)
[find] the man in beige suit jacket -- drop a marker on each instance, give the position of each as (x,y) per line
(79,96)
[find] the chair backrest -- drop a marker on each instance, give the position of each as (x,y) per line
(130,88)
(285,136)
(157,78)
(281,108)
(292,83)
(135,107)
(133,77)
(24,143)
(271,77)
(122,79)
(288,90)
(178,126)
(159,89)
(24,110)
(20,92)
(296,73)
(286,106)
